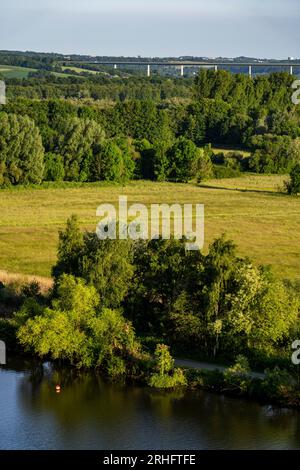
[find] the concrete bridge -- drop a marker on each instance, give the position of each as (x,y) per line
(250,67)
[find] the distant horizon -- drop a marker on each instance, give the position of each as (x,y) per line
(149,56)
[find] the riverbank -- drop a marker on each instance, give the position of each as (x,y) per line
(93,413)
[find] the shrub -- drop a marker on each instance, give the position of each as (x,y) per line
(54,167)
(177,379)
(236,377)
(293,186)
(166,376)
(277,383)
(223,171)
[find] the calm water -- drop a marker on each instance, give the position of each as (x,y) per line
(92,414)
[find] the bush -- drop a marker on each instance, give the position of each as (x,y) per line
(54,167)
(236,377)
(167,376)
(293,186)
(223,171)
(277,383)
(177,379)
(116,367)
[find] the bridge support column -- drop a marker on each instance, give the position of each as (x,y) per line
(216,68)
(115,66)
(148,70)
(250,71)
(181,70)
(291,70)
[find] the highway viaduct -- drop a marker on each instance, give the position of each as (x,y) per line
(250,67)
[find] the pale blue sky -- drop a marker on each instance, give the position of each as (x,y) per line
(261,28)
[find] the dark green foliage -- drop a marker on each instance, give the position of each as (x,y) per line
(214,304)
(54,167)
(8,333)
(225,108)
(70,247)
(78,143)
(114,161)
(105,264)
(108,266)
(162,271)
(293,186)
(165,376)
(274,154)
(183,157)
(21,150)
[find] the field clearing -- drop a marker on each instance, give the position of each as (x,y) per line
(264,223)
(79,70)
(226,150)
(11,71)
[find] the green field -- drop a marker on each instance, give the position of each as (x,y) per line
(80,70)
(10,71)
(263,222)
(229,149)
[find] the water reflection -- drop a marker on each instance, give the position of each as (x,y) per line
(91,413)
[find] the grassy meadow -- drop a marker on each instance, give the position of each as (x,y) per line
(11,71)
(79,70)
(251,210)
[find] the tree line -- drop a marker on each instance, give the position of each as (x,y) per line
(65,140)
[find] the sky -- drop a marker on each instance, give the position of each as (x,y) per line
(153,28)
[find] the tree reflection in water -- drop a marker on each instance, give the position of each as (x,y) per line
(108,415)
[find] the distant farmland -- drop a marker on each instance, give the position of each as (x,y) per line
(11,71)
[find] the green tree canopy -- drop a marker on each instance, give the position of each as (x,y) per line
(21,150)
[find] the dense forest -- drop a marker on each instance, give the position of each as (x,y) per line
(98,128)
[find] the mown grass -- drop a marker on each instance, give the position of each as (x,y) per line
(263,222)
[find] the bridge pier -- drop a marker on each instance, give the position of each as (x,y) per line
(181,70)
(250,71)
(291,70)
(216,68)
(148,70)
(115,66)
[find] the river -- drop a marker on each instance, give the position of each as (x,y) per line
(90,413)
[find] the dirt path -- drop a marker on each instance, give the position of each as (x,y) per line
(208,366)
